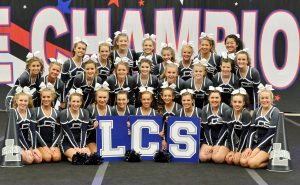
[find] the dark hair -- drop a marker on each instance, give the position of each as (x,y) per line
(75,45)
(245,97)
(237,40)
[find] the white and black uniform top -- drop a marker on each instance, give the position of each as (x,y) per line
(59,87)
(80,81)
(26,128)
(185,72)
(139,112)
(213,63)
(48,128)
(180,85)
(250,83)
(104,70)
(22,81)
(212,123)
(156,59)
(235,130)
(158,69)
(131,55)
(129,110)
(74,129)
(167,114)
(115,87)
(68,73)
(227,87)
(263,129)
(201,93)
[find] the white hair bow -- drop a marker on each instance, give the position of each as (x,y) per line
(79,39)
(105,86)
(189,43)
(77,90)
(31,55)
(25,89)
(108,41)
(244,50)
(225,55)
(165,84)
(144,89)
(49,85)
(127,89)
(209,35)
(149,57)
(147,36)
(236,34)
(56,61)
(123,59)
(191,91)
(267,87)
(86,58)
(203,62)
(120,32)
(94,58)
(172,63)
(163,45)
(241,90)
(212,88)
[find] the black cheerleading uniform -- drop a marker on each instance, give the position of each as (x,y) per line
(235,130)
(180,85)
(115,87)
(185,73)
(104,70)
(80,81)
(166,115)
(213,123)
(213,63)
(139,112)
(159,69)
(263,129)
(59,87)
(68,73)
(74,129)
(201,94)
(131,55)
(48,128)
(250,83)
(228,87)
(129,110)
(26,129)
(22,81)
(156,59)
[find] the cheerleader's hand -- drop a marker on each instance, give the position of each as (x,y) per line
(246,153)
(162,134)
(164,144)
(96,124)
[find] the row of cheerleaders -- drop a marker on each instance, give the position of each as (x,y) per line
(238,118)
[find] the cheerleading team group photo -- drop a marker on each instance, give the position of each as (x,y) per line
(149,91)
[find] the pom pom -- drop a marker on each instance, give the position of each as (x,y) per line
(132,156)
(94,159)
(162,156)
(79,159)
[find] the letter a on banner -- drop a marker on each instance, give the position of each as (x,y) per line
(145,137)
(112,137)
(184,138)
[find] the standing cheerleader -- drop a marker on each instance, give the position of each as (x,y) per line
(167,107)
(146,98)
(262,130)
(212,123)
(168,54)
(207,51)
(30,78)
(185,66)
(74,66)
(199,82)
(48,127)
(226,80)
(52,78)
(237,121)
(26,125)
(99,108)
(74,121)
(120,81)
(233,44)
(87,80)
(102,59)
(122,50)
(249,77)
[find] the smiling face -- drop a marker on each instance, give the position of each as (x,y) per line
(122,42)
(226,68)
(104,52)
(90,70)
(121,70)
(146,100)
(171,73)
(266,99)
(79,49)
(54,70)
(242,60)
(166,55)
(22,101)
(167,96)
(186,53)
(145,68)
(238,102)
(47,97)
(35,67)
(187,101)
(214,99)
(101,97)
(122,100)
(231,45)
(148,46)
(75,101)
(199,71)
(205,47)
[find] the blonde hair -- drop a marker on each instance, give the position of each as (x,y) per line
(168,48)
(163,75)
(47,89)
(17,96)
(202,66)
(116,39)
(187,46)
(153,42)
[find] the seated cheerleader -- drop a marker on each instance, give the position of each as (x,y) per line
(48,127)
(185,66)
(167,107)
(262,130)
(144,78)
(232,137)
(102,59)
(122,108)
(226,80)
(207,51)
(146,98)
(26,125)
(74,65)
(99,108)
(148,45)
(167,54)
(87,80)
(52,78)
(199,82)
(122,50)
(121,80)
(30,78)
(249,77)
(74,121)
(212,123)
(170,76)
